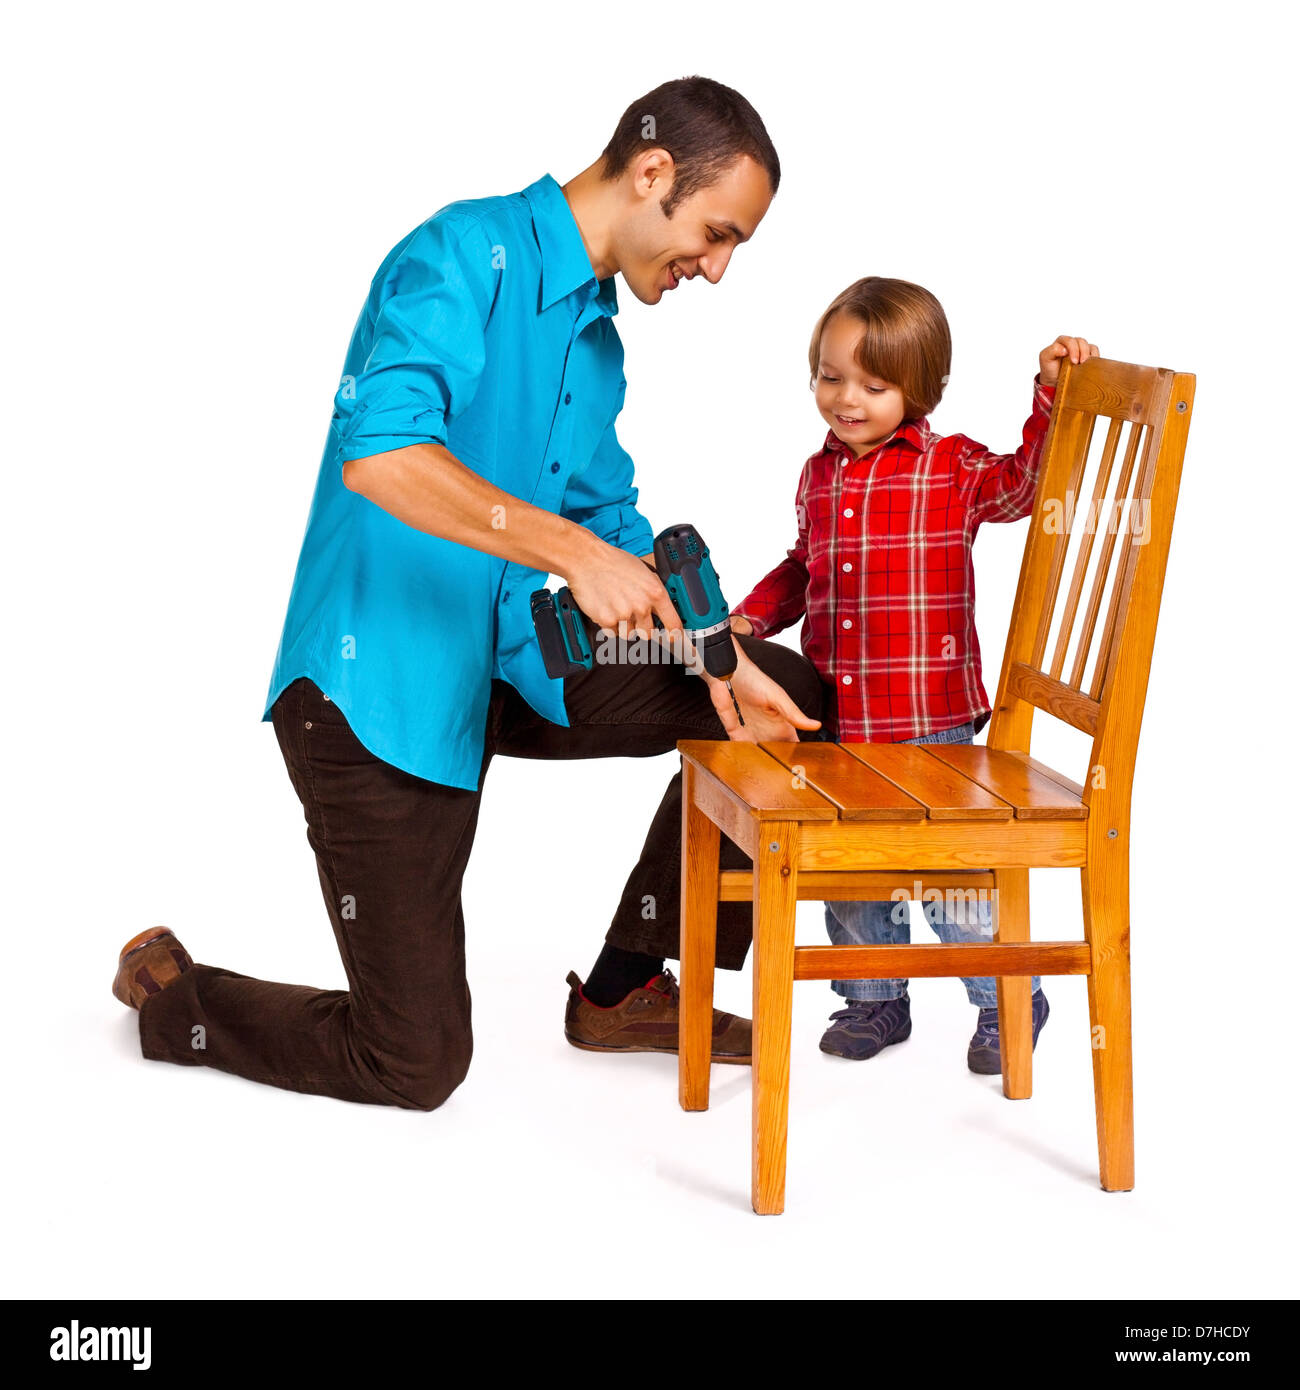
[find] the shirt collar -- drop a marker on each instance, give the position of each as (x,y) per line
(913,432)
(566,267)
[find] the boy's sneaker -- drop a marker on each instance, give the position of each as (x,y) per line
(984,1056)
(866,1026)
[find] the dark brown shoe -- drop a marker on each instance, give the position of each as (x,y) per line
(646,1021)
(149,963)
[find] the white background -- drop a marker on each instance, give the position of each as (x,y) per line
(199,197)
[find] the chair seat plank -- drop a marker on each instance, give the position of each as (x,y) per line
(860,792)
(1009,776)
(1060,778)
(766,787)
(945,792)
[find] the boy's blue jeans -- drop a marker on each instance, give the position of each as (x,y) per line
(889,923)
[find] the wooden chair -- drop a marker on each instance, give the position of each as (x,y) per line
(858,820)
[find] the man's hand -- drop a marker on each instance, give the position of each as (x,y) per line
(771,716)
(1076,349)
(742,625)
(622,593)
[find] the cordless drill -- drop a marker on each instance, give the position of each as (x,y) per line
(683,565)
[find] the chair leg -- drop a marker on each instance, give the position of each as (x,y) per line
(775,874)
(1015,1007)
(1106,927)
(699,930)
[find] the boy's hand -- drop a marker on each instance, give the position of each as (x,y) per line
(1076,349)
(742,625)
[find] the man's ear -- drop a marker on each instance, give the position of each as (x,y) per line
(652,173)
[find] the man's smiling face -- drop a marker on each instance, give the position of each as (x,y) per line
(655,253)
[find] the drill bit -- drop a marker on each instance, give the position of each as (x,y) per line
(736,703)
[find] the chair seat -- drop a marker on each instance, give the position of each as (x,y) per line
(899,783)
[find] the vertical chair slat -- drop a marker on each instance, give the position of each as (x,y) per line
(1066,440)
(1120,590)
(1085,547)
(1103,560)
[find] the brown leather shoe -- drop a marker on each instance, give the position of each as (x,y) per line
(646,1021)
(149,963)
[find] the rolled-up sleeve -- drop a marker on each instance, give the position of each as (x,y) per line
(427,352)
(602,496)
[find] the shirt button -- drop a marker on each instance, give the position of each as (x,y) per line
(848,511)
(555,468)
(848,622)
(568,398)
(847,566)
(848,680)
(843,461)
(307,725)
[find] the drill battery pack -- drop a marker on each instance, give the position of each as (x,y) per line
(561,632)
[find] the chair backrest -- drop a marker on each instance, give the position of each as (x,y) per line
(1079,649)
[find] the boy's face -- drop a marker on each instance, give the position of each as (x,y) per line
(656,252)
(863,410)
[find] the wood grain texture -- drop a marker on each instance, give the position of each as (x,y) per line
(1015,1020)
(944,792)
(724,808)
(1122,488)
(1086,538)
(937,844)
(1059,778)
(757,780)
(1106,927)
(1053,697)
(775,880)
(1103,386)
(941,961)
(1009,776)
(737,885)
(1065,458)
(847,782)
(1123,532)
(1105,880)
(699,924)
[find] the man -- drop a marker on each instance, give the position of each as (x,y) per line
(472,452)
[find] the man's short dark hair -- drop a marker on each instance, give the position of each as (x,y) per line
(705,126)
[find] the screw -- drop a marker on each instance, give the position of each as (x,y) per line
(773,847)
(1112,834)
(1182,405)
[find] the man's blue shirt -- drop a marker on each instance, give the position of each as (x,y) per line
(486,331)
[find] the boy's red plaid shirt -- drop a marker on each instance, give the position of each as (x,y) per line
(881,573)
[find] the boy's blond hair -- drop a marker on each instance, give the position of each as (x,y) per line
(905,339)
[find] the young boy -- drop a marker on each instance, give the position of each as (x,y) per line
(881,573)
